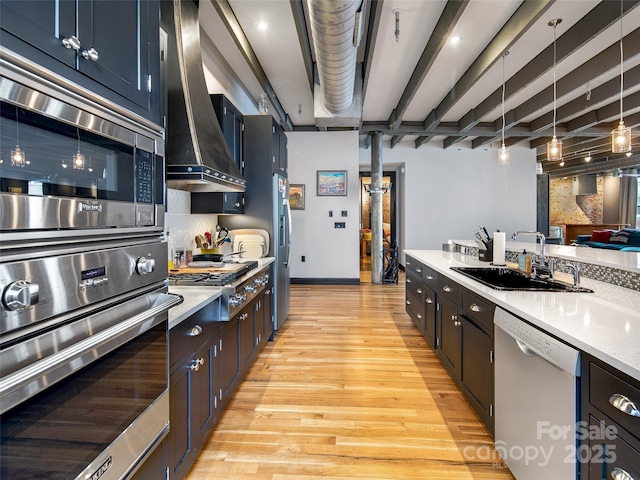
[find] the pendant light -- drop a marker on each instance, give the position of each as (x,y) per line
(78,158)
(18,157)
(503,153)
(263,104)
(554,147)
(621,136)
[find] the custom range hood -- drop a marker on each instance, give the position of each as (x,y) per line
(198,159)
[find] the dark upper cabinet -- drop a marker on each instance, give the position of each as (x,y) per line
(232,125)
(265,141)
(110,47)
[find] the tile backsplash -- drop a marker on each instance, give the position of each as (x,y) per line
(181,224)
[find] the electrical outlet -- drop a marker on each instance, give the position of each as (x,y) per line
(344,213)
(339,225)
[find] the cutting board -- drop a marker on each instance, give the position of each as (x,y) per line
(227,267)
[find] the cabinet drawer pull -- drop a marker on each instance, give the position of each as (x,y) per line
(474,308)
(91,54)
(408,280)
(195,331)
(408,302)
(419,290)
(454,317)
(429,277)
(625,405)
(419,316)
(197,364)
(244,316)
(620,474)
(429,300)
(418,270)
(71,43)
(446,288)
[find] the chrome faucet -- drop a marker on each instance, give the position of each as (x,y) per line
(576,274)
(543,265)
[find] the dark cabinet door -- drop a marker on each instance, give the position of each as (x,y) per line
(247,335)
(449,351)
(228,357)
(108,47)
(268,310)
(191,408)
(181,446)
(44,24)
(115,37)
(203,393)
(476,369)
(430,310)
(282,155)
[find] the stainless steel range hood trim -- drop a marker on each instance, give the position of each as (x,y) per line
(198,158)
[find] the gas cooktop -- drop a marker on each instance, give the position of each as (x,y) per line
(210,278)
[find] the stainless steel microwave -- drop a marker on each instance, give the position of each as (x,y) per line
(70,164)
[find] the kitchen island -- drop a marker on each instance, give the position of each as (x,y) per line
(531,361)
(605,324)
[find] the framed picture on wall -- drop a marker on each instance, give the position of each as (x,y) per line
(296,196)
(332,183)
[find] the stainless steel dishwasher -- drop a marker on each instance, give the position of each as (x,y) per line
(536,401)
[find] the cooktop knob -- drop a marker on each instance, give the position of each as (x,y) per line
(145,265)
(20,295)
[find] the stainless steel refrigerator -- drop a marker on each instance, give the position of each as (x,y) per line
(266,200)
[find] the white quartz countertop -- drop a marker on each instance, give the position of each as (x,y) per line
(605,324)
(598,256)
(196,298)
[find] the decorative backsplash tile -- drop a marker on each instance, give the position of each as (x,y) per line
(615,276)
(182,225)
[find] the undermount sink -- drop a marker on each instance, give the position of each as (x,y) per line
(508,279)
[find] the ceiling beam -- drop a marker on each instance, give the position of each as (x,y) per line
(297,9)
(483,129)
(375,13)
(525,16)
(601,17)
(242,42)
(438,39)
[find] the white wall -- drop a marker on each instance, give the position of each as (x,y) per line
(330,253)
(446,194)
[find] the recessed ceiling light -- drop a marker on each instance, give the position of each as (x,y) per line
(454,40)
(263,26)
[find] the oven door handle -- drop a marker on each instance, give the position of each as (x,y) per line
(26,382)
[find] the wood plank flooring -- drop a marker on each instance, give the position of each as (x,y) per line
(348,390)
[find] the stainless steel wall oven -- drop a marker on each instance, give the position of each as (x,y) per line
(83,284)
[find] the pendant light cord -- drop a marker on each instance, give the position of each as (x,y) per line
(555,25)
(503,89)
(621,62)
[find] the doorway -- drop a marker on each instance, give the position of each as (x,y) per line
(389,225)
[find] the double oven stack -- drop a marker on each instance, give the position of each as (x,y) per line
(83,286)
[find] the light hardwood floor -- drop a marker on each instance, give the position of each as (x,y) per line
(348,389)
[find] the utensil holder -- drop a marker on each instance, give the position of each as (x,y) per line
(486,255)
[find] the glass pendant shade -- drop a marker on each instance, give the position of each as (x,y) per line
(503,155)
(263,104)
(78,161)
(621,139)
(18,158)
(554,149)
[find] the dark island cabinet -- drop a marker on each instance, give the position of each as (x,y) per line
(458,325)
(609,429)
(108,48)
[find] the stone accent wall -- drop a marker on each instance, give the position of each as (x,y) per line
(567,207)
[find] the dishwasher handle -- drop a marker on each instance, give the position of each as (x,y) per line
(524,348)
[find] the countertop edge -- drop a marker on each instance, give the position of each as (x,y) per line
(547,317)
(194,299)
